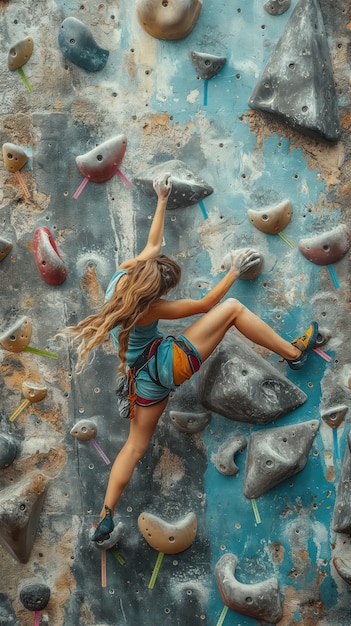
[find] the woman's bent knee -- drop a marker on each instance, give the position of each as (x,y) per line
(235,305)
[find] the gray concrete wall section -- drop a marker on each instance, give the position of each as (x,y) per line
(265,138)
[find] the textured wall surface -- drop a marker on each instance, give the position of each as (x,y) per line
(150,91)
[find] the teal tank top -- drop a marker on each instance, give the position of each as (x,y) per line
(140,336)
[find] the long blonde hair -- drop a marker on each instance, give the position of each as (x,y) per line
(144,283)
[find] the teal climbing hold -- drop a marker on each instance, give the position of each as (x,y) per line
(79,46)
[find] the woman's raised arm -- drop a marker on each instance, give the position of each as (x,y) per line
(242,261)
(163,187)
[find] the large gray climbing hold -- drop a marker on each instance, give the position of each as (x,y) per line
(35,596)
(8,450)
(7,615)
(327,248)
(260,600)
(207,65)
(224,459)
(341,522)
(20,508)
(187,188)
(277,7)
(189,422)
(79,46)
(276,454)
(237,383)
(297,84)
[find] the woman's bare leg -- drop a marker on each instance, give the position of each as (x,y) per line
(142,428)
(208,331)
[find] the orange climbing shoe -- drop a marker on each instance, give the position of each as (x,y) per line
(104,528)
(305,343)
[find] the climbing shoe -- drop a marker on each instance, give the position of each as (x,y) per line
(305,343)
(104,528)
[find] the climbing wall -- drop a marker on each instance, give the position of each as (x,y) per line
(246,481)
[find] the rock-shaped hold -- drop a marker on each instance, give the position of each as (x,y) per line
(47,257)
(35,596)
(20,53)
(341,522)
(277,7)
(18,336)
(207,65)
(224,459)
(327,248)
(168,19)
(169,538)
(84,430)
(101,163)
(113,539)
(79,46)
(297,84)
(187,187)
(5,248)
(343,569)
(276,454)
(8,450)
(188,422)
(14,157)
(249,274)
(271,220)
(7,615)
(335,415)
(20,508)
(239,384)
(260,600)
(33,391)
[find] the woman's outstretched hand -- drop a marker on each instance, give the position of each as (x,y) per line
(243,260)
(163,185)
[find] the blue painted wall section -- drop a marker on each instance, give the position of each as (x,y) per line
(148,91)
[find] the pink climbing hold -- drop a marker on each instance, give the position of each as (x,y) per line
(101,163)
(47,257)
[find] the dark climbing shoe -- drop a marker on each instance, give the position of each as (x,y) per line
(305,343)
(104,528)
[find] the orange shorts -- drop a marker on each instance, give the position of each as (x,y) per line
(183,365)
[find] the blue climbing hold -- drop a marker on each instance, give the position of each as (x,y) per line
(79,46)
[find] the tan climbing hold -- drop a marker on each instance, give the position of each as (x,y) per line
(33,391)
(84,429)
(168,19)
(17,337)
(14,157)
(20,53)
(272,220)
(165,537)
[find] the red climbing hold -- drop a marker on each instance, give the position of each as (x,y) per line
(47,257)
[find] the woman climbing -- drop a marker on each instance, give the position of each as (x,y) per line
(135,302)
